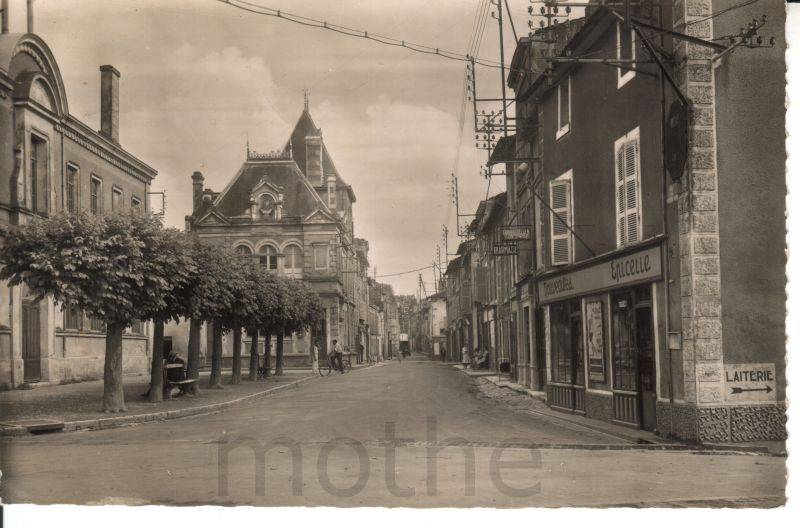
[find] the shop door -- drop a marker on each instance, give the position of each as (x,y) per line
(31,356)
(634,359)
(646,356)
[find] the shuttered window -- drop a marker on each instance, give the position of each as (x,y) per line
(628,189)
(564,106)
(561,220)
(626,51)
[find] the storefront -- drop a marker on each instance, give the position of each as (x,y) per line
(601,328)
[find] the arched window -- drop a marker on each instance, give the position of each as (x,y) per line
(268,257)
(293,259)
(244,251)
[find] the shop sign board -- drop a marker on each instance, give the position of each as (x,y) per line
(594,329)
(633,268)
(506,249)
(515,233)
(750,382)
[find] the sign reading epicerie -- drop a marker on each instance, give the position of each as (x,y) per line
(632,268)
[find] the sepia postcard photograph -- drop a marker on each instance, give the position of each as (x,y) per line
(437,255)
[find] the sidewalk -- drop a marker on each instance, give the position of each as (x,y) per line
(535,403)
(78,406)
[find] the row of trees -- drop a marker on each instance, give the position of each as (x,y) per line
(126,268)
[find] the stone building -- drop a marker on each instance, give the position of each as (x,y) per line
(658,287)
(51,162)
(292,212)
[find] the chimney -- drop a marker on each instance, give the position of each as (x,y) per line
(197,190)
(314,159)
(30,16)
(109,102)
(4,15)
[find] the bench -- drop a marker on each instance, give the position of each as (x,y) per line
(183,385)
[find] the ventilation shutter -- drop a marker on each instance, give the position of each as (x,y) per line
(620,192)
(561,249)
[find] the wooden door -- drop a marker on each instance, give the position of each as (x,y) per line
(31,354)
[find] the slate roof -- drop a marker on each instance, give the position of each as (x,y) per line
(305,126)
(299,199)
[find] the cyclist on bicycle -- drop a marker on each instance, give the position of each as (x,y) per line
(336,357)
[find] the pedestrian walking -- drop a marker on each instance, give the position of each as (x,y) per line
(315,358)
(465,356)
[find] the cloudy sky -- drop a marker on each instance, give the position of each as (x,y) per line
(200,77)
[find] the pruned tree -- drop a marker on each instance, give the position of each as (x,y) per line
(101,265)
(173,272)
(240,312)
(212,296)
(301,309)
(266,297)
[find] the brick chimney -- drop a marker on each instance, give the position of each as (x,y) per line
(109,102)
(197,190)
(314,159)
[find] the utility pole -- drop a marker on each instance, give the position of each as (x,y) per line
(502,65)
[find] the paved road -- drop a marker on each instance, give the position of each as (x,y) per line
(410,434)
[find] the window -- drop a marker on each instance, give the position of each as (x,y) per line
(331,195)
(540,213)
(96,325)
(137,328)
(95,195)
(72,189)
(39,178)
(116,199)
(268,257)
(564,106)
(293,259)
(73,317)
(566,342)
(243,251)
(626,50)
(561,219)
(320,257)
(136,204)
(627,170)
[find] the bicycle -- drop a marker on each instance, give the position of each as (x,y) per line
(326,367)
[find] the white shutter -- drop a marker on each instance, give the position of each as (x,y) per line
(628,191)
(620,193)
(560,235)
(632,199)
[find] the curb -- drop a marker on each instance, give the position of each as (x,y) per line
(700,449)
(121,421)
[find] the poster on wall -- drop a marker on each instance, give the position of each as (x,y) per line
(594,327)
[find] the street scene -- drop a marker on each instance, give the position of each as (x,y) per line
(482,253)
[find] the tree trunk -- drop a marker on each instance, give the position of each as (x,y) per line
(253,355)
(236,367)
(215,381)
(267,352)
(279,353)
(193,363)
(156,393)
(113,394)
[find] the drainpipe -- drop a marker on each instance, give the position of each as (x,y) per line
(4,24)
(30,16)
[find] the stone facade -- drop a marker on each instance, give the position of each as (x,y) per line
(50,162)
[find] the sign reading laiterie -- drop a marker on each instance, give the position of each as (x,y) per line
(515,233)
(750,382)
(636,267)
(501,250)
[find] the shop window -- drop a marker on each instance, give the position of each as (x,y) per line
(39,175)
(628,189)
(626,51)
(96,195)
(566,342)
(72,188)
(564,97)
(561,220)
